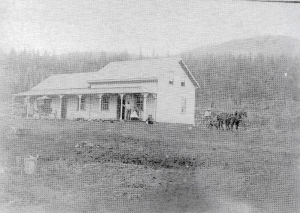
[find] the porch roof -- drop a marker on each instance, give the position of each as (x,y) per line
(104,90)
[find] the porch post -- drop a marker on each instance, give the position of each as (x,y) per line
(155,98)
(27,106)
(12,106)
(79,102)
(60,104)
(145,95)
(100,102)
(121,110)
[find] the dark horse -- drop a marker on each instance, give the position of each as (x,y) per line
(236,119)
(223,118)
(230,119)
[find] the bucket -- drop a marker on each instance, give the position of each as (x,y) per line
(30,165)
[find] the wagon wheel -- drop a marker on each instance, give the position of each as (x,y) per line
(208,123)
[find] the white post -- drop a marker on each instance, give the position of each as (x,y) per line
(79,101)
(155,99)
(60,104)
(121,110)
(27,106)
(145,95)
(12,106)
(100,102)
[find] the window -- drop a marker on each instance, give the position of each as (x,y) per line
(183,105)
(139,102)
(47,106)
(83,104)
(105,103)
(171,77)
(182,80)
(44,105)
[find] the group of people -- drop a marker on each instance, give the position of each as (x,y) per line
(133,114)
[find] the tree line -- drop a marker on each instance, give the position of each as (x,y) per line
(262,77)
(242,77)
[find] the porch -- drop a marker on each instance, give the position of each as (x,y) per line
(88,104)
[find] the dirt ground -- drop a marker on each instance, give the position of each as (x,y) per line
(133,167)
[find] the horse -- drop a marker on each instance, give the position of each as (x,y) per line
(223,118)
(236,119)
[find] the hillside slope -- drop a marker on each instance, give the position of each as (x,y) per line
(267,45)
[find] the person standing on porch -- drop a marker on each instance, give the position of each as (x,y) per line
(134,115)
(127,110)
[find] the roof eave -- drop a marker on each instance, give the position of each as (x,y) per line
(196,84)
(120,80)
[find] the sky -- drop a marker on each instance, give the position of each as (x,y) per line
(162,26)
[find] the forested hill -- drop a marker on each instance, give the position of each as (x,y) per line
(262,68)
(259,77)
(20,71)
(246,75)
(266,45)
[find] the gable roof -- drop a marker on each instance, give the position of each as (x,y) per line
(141,69)
(115,71)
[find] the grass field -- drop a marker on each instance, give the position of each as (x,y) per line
(134,167)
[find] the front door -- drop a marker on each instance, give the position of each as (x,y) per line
(119,105)
(123,109)
(64,106)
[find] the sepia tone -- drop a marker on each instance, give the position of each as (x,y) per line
(150,106)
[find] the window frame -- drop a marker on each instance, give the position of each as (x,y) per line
(105,103)
(171,77)
(182,80)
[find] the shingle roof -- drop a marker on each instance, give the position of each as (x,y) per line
(122,70)
(65,81)
(136,69)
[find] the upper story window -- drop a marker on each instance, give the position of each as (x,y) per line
(171,77)
(182,80)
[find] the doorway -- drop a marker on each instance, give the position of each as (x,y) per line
(64,106)
(119,105)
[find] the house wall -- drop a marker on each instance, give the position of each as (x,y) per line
(92,108)
(72,103)
(55,105)
(33,105)
(111,113)
(151,106)
(169,98)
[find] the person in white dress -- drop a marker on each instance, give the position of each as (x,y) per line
(134,115)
